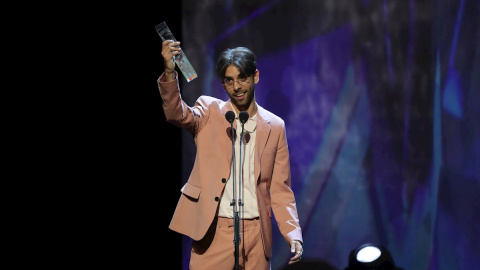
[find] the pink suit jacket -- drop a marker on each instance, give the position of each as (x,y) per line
(200,196)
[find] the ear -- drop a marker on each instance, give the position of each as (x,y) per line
(256,77)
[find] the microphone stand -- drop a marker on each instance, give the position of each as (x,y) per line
(237,216)
(236,240)
(243,116)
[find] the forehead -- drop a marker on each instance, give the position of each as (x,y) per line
(232,71)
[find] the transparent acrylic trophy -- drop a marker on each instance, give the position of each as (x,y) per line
(181,60)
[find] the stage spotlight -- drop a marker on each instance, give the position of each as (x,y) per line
(370,256)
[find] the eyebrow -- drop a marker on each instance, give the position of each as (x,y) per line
(241,75)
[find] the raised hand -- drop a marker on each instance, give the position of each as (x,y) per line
(170,48)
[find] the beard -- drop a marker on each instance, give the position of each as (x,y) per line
(247,101)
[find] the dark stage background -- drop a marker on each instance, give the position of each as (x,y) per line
(381,101)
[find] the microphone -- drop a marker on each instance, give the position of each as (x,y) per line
(243,117)
(230,116)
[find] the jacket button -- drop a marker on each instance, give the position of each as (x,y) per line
(224,180)
(217,199)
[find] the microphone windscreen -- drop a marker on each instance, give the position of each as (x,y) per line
(230,116)
(243,117)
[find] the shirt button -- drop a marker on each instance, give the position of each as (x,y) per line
(224,180)
(217,199)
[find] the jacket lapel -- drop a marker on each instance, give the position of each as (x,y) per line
(263,133)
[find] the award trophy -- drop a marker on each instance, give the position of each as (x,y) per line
(181,60)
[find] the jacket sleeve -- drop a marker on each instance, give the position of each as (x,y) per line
(283,199)
(177,112)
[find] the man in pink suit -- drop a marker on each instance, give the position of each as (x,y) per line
(205,210)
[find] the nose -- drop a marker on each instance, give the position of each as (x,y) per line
(236,85)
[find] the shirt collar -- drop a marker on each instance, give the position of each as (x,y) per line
(251,124)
